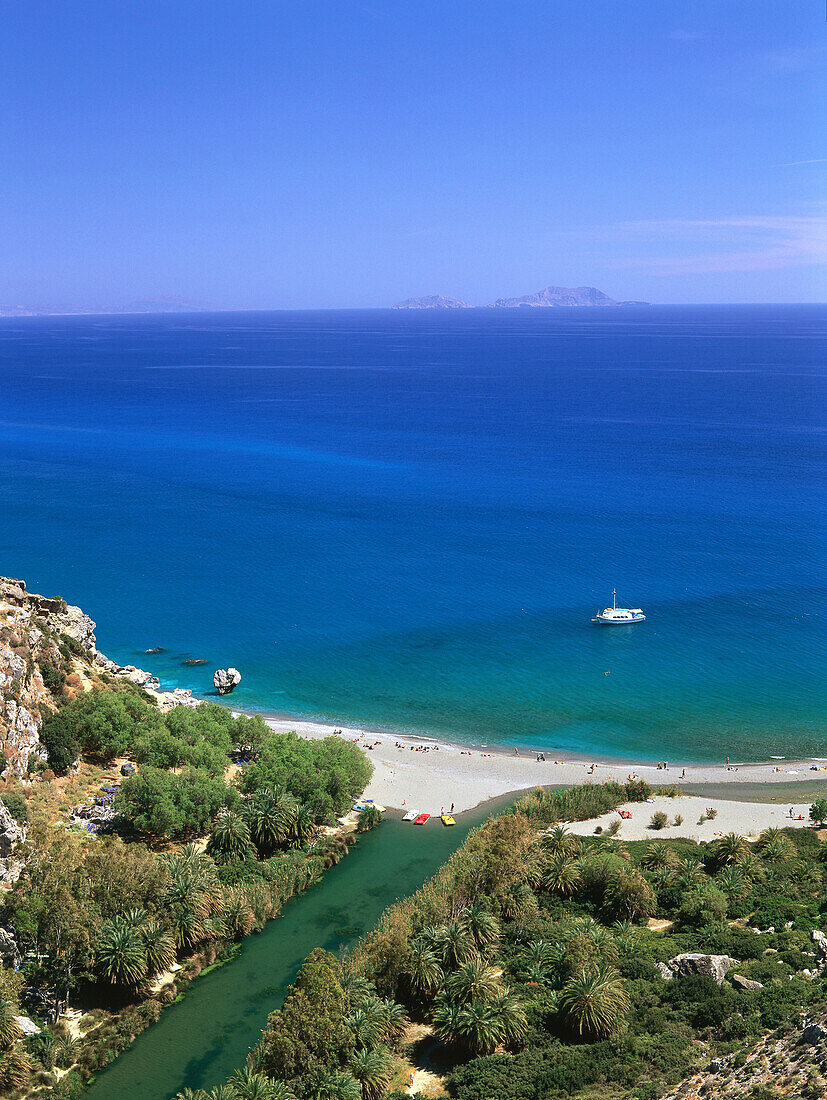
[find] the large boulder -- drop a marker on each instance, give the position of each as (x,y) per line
(820,941)
(740,982)
(711,966)
(813,1034)
(226,680)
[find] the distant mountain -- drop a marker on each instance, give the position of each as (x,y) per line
(432,301)
(564,296)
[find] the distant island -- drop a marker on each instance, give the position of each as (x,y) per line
(432,301)
(551,296)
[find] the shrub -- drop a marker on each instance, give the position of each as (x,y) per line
(659,820)
(679,819)
(818,811)
(15,803)
(369,818)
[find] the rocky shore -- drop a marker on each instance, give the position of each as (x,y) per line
(48,648)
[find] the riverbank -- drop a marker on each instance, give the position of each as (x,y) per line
(427,775)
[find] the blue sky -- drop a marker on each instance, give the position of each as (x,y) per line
(327,153)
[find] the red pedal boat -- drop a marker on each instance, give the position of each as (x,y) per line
(422,819)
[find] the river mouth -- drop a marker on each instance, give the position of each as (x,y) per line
(205,1037)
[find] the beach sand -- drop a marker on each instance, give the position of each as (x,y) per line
(746,818)
(428,775)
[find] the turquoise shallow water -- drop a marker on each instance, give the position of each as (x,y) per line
(407,519)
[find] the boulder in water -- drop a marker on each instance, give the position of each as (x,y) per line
(226,680)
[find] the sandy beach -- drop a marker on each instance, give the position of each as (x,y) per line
(428,775)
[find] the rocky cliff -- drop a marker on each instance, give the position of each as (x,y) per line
(49,656)
(47,653)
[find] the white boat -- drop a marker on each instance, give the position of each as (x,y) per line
(619,616)
(411,815)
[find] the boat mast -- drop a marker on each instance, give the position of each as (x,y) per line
(614,599)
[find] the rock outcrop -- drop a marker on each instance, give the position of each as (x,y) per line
(712,966)
(748,984)
(48,656)
(11,836)
(46,649)
(226,680)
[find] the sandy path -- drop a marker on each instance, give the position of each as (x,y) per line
(426,775)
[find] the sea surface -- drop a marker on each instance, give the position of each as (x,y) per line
(407,519)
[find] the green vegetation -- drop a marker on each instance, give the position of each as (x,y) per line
(98,918)
(530,959)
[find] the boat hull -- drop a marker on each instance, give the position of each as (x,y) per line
(619,622)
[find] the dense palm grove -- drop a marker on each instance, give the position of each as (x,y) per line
(96,919)
(531,960)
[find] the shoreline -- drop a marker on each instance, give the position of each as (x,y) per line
(426,773)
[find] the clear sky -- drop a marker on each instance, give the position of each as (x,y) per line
(326,153)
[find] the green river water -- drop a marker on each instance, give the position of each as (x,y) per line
(205,1037)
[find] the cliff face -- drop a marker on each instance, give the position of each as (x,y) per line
(47,652)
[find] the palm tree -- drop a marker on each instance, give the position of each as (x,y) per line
(356,988)
(562,875)
(511,1015)
(445,1019)
(366,1023)
(777,849)
(454,944)
(479,1027)
(230,838)
(249,1085)
(732,881)
(221,1092)
(519,902)
(537,974)
(159,947)
(595,1003)
(395,1022)
(541,953)
(9,1028)
(238,915)
(136,918)
(478,919)
(17,1069)
(186,924)
(66,1051)
(373,1069)
(303,825)
(121,956)
(730,849)
(422,967)
(690,873)
(475,980)
(658,856)
(269,813)
(334,1084)
(558,840)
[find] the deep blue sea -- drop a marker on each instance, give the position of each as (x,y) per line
(407,520)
